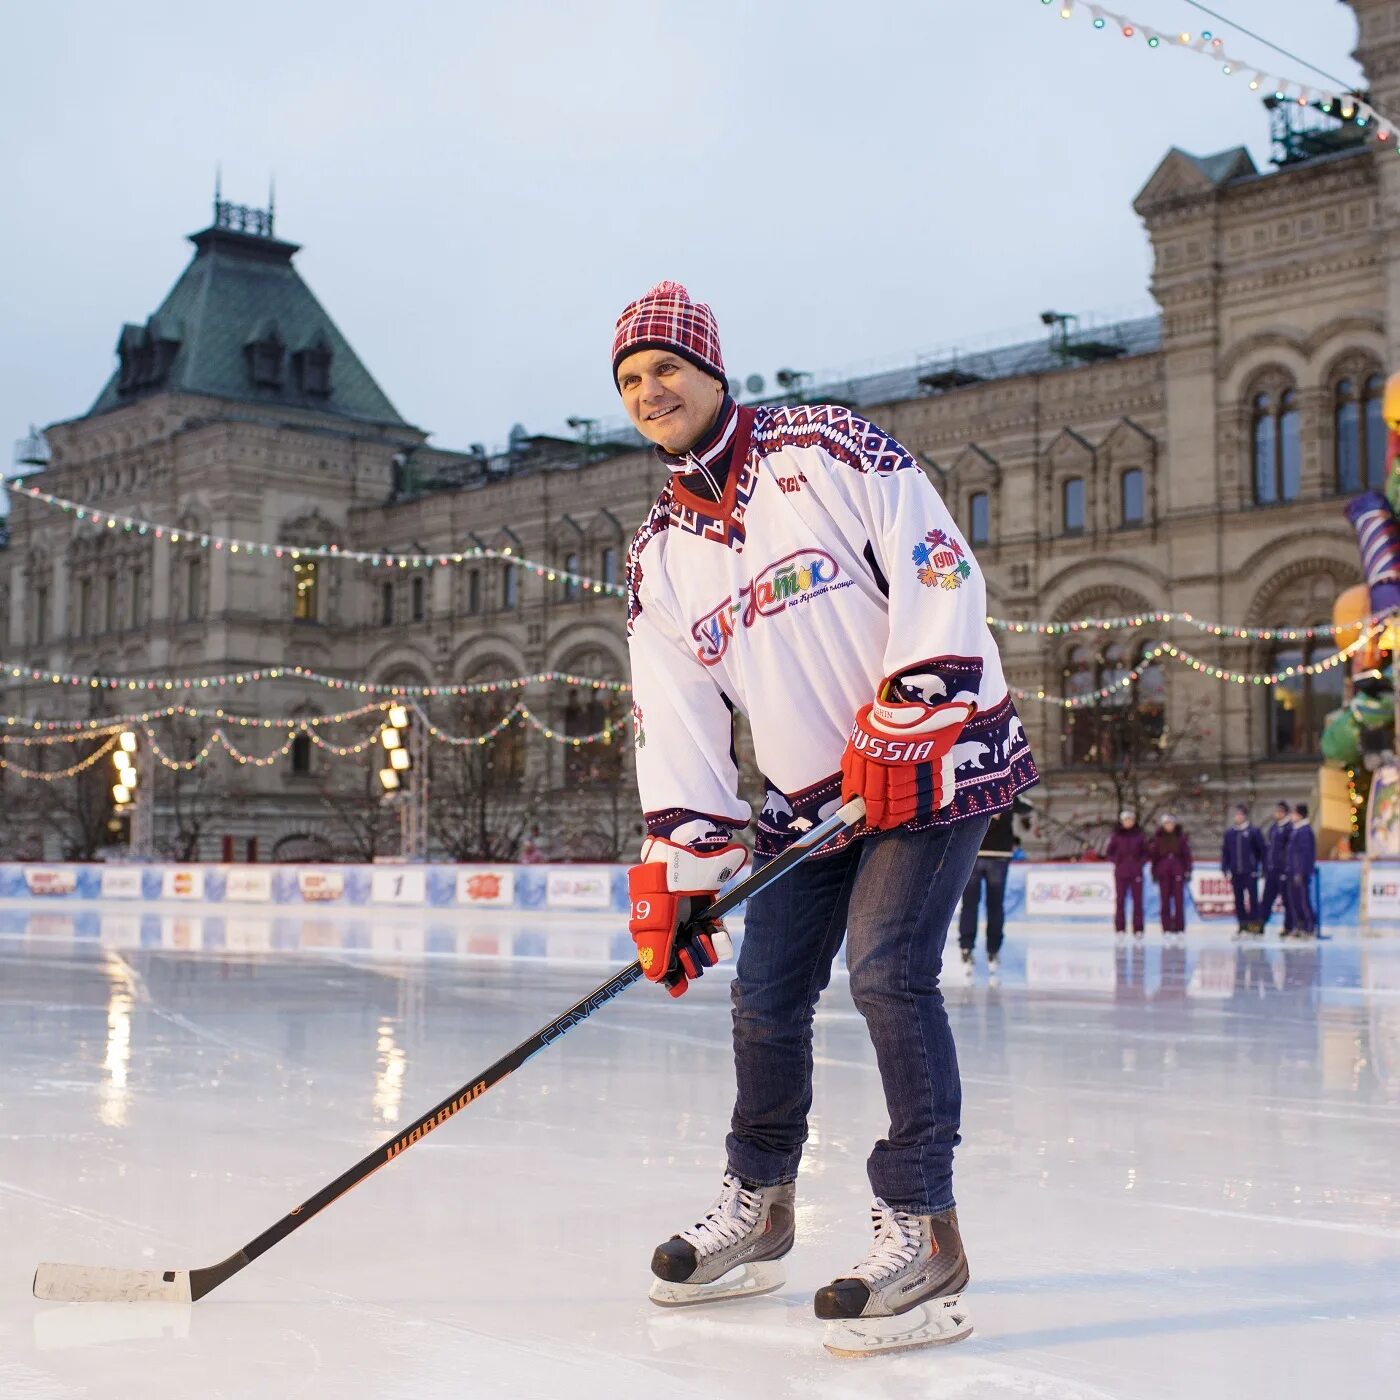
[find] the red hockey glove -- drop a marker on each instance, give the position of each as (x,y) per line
(669,890)
(899,758)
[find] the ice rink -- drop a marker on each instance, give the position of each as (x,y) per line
(1178,1175)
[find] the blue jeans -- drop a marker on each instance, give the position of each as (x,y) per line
(893,895)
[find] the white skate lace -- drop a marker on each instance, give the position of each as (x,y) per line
(726,1222)
(896,1243)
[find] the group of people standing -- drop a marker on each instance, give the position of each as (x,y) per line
(1286,857)
(1167,853)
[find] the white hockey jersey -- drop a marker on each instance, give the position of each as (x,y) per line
(829,563)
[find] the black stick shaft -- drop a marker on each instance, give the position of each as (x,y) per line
(203,1280)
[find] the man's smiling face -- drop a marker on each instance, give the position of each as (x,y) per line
(671,402)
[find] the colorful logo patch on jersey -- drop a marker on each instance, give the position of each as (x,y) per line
(793,580)
(639,735)
(940,561)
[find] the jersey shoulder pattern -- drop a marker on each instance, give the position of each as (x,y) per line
(657,520)
(841,434)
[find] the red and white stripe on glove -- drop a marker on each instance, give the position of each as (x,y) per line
(899,758)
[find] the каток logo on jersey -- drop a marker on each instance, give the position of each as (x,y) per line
(795,578)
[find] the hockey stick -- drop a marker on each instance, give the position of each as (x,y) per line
(77,1283)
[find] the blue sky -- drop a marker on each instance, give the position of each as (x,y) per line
(480,188)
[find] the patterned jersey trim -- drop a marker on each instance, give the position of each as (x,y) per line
(844,435)
(657,520)
(994,765)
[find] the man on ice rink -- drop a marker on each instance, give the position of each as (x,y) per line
(800,567)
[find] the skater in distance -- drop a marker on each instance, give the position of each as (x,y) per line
(799,567)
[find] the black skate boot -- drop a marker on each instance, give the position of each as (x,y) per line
(905,1293)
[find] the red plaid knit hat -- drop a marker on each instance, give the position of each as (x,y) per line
(665,318)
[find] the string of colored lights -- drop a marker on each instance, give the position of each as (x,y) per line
(1160,649)
(71,772)
(1346,106)
(1216,629)
(462,741)
(63,731)
(386,559)
(492,687)
(18,671)
(378,559)
(78,729)
(603,736)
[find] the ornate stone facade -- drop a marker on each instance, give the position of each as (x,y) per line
(1203,469)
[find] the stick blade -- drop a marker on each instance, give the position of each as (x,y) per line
(83,1283)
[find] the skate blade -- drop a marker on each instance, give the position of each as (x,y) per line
(932,1324)
(743,1281)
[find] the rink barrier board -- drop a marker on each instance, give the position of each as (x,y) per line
(1035,893)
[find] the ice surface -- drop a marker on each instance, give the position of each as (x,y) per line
(1178,1175)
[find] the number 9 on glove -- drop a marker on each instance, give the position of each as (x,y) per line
(670,890)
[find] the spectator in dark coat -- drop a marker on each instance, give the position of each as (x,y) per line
(1276,868)
(993,861)
(1127,849)
(1170,853)
(1302,861)
(1241,858)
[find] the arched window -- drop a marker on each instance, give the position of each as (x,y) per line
(1079,678)
(1298,704)
(474,591)
(1377,434)
(1278,450)
(570,585)
(301,755)
(1072,501)
(304,601)
(386,604)
(1131,497)
(1359,434)
(420,599)
(979,518)
(509,587)
(1122,714)
(608,571)
(194,587)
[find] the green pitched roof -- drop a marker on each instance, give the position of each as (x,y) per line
(239,291)
(1224,165)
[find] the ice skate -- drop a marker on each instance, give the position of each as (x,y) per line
(967,958)
(906,1293)
(993,971)
(734,1252)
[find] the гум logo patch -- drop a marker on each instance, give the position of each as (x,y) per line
(940,561)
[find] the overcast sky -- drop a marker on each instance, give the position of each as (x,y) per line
(480,187)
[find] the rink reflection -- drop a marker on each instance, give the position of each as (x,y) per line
(1327,997)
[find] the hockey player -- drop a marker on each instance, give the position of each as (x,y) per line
(799,566)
